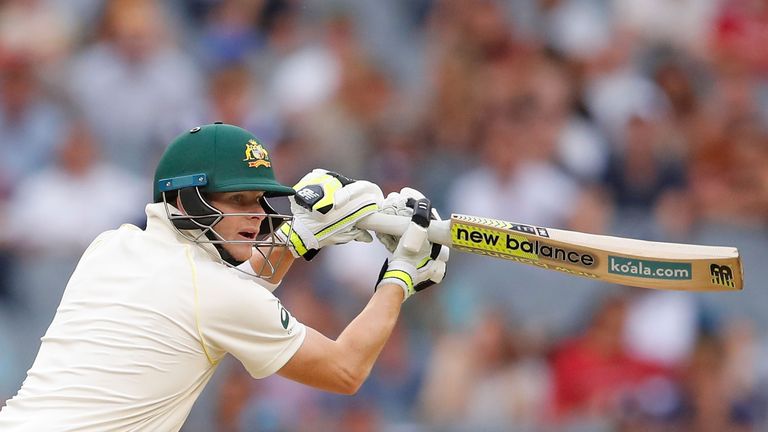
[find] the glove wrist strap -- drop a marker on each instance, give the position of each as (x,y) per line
(399,273)
(302,242)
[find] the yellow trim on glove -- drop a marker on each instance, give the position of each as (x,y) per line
(399,275)
(296,242)
(370,208)
(424,262)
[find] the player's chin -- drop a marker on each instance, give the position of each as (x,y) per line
(239,251)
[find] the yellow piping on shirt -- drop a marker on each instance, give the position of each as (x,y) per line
(197,303)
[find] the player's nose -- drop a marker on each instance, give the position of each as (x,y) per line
(257,213)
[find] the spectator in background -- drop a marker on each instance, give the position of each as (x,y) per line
(738,34)
(133,85)
(661,327)
(52,211)
(510,124)
(729,179)
(41,29)
(30,125)
(614,89)
(396,380)
(233,394)
(301,72)
(9,367)
(236,97)
(644,165)
(593,373)
(485,379)
(518,179)
(716,389)
(51,218)
(332,93)
(681,24)
(229,34)
(560,132)
(578,30)
(30,122)
(715,395)
(467,43)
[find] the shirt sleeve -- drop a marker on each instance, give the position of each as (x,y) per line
(239,316)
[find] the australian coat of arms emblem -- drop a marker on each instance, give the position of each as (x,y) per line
(256,155)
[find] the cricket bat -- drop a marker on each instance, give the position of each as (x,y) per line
(638,263)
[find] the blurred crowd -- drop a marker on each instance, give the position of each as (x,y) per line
(639,118)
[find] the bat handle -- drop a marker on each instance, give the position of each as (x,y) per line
(438,231)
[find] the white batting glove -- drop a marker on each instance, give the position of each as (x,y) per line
(325,209)
(417,270)
(400,204)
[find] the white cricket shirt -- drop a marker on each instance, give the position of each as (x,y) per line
(144,320)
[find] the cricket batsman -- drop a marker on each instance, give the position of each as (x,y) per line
(148,314)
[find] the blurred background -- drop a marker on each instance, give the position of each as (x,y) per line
(640,118)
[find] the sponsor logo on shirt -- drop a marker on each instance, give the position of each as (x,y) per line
(285,317)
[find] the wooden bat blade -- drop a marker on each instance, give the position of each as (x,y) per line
(618,260)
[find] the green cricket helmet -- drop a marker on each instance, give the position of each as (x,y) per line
(217,158)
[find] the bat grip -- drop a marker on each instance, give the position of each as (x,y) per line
(439,231)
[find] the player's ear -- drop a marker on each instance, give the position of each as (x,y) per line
(179,205)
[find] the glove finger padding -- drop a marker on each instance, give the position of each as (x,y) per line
(400,204)
(415,271)
(326,207)
(362,236)
(432,271)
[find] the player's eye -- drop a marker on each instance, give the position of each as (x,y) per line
(243,201)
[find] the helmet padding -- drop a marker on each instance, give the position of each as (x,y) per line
(202,215)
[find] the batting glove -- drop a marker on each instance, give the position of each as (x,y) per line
(415,270)
(325,209)
(400,204)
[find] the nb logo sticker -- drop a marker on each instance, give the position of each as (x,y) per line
(308,194)
(721,275)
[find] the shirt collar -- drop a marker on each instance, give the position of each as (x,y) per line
(158,222)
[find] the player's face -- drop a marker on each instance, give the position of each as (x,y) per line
(239,227)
